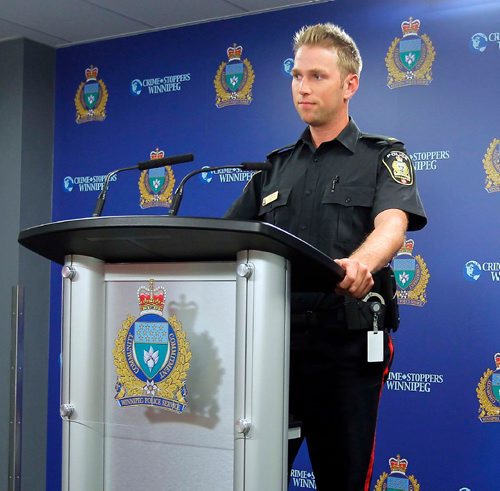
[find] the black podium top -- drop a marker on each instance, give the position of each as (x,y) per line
(129,239)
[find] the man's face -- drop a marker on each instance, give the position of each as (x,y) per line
(319,91)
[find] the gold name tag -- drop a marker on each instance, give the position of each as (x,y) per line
(270,198)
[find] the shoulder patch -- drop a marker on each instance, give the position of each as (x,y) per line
(280,150)
(399,166)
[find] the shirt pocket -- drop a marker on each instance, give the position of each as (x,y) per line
(346,214)
(276,212)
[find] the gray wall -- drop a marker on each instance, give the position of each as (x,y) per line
(26,143)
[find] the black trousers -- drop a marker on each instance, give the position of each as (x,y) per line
(334,393)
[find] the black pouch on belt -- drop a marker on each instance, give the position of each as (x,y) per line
(359,313)
(385,284)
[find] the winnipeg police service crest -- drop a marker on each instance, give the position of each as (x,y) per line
(409,59)
(488,394)
(491,164)
(397,479)
(411,275)
(156,186)
(151,356)
(399,166)
(91,98)
(234,80)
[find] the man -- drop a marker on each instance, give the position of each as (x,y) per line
(353,196)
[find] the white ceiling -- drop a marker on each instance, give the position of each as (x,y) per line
(63,22)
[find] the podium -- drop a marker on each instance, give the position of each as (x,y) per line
(175,346)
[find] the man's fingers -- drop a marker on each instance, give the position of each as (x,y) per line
(358,280)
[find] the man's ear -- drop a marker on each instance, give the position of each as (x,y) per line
(351,84)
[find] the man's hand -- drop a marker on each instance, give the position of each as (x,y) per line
(358,280)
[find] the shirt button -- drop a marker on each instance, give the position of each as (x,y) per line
(315,159)
(308,192)
(348,200)
(303,227)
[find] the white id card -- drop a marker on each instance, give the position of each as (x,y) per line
(375,346)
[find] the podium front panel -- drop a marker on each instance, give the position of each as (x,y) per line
(150,365)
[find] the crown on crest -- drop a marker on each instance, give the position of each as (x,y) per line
(497,360)
(410,26)
(234,52)
(398,464)
(156,154)
(91,72)
(407,247)
(151,298)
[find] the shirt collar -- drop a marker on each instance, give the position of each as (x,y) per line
(348,137)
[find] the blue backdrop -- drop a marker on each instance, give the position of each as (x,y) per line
(430,78)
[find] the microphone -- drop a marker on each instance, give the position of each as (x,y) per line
(145,165)
(176,159)
(176,200)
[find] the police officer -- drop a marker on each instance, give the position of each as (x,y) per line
(353,196)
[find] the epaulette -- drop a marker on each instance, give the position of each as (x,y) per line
(280,150)
(381,140)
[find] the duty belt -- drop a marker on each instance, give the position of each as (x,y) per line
(332,319)
(354,315)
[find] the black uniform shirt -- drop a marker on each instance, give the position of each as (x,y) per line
(330,196)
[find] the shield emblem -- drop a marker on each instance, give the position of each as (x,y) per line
(404,271)
(91,94)
(398,483)
(156,179)
(151,346)
(234,75)
(410,51)
(495,385)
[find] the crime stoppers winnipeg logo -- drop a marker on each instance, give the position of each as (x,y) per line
(151,356)
(486,270)
(234,79)
(409,59)
(91,98)
(225,175)
(488,394)
(480,41)
(411,275)
(397,479)
(302,479)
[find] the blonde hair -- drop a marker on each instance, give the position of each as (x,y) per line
(331,36)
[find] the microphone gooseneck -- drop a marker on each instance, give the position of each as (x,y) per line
(102,195)
(178,194)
